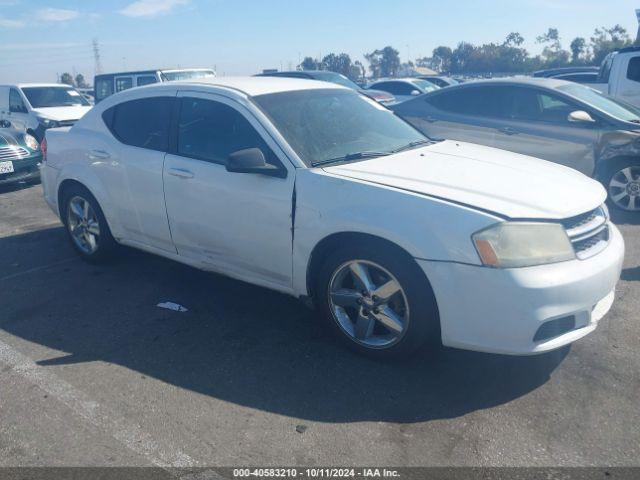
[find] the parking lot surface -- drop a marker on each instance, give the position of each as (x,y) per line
(93,372)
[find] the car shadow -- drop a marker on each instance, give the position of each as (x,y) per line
(16,186)
(241,343)
(620,217)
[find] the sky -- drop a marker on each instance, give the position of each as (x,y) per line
(40,39)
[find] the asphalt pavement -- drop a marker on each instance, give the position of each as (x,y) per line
(94,373)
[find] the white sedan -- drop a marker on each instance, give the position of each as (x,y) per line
(316,191)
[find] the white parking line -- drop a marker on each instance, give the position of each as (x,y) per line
(37,269)
(160,453)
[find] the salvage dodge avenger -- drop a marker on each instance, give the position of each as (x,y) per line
(314,190)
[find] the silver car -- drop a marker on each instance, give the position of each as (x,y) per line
(560,121)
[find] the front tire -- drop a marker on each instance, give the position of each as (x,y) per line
(622,181)
(377,301)
(86,226)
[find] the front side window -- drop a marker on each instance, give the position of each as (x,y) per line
(211,131)
(43,97)
(324,125)
(142,123)
(146,80)
(124,83)
(633,70)
(611,106)
(528,104)
(16,104)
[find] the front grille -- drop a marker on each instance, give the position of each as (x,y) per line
(13,153)
(588,232)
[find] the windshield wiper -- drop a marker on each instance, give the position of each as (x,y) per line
(349,157)
(411,145)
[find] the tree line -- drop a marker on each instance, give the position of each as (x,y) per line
(466,58)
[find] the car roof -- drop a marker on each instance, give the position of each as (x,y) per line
(254,86)
(543,82)
(27,85)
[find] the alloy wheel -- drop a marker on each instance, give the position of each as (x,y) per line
(624,188)
(83,225)
(369,304)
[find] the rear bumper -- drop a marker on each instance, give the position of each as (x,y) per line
(501,310)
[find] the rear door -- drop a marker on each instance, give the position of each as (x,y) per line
(130,166)
(237,223)
(463,114)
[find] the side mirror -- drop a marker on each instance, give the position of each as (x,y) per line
(415,93)
(251,160)
(5,124)
(580,116)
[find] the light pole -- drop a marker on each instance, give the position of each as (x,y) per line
(638,34)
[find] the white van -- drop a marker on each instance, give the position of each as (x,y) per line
(35,107)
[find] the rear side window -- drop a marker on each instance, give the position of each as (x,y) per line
(212,131)
(633,70)
(141,123)
(395,88)
(467,101)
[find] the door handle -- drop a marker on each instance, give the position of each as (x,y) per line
(508,131)
(98,155)
(430,119)
(180,173)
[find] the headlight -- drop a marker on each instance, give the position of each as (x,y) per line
(31,142)
(48,123)
(523,244)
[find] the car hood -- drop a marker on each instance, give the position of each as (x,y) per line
(509,184)
(62,114)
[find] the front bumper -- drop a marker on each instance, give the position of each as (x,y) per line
(26,170)
(501,310)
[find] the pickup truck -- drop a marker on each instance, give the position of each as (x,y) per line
(619,75)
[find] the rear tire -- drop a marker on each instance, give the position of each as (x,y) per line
(86,225)
(385,323)
(622,181)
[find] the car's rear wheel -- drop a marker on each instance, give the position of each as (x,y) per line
(377,301)
(86,225)
(622,181)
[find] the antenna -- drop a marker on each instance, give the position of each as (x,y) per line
(96,56)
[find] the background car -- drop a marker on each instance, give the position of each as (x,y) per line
(440,80)
(551,119)
(20,155)
(107,84)
(404,88)
(35,107)
(584,75)
(380,96)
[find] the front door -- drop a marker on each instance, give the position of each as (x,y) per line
(536,123)
(237,223)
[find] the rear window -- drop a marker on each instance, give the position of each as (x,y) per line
(142,123)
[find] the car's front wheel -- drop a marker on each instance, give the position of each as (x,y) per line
(377,301)
(622,182)
(86,225)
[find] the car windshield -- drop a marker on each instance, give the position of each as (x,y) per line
(187,75)
(608,105)
(335,125)
(335,78)
(43,97)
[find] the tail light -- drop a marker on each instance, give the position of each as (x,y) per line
(43,147)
